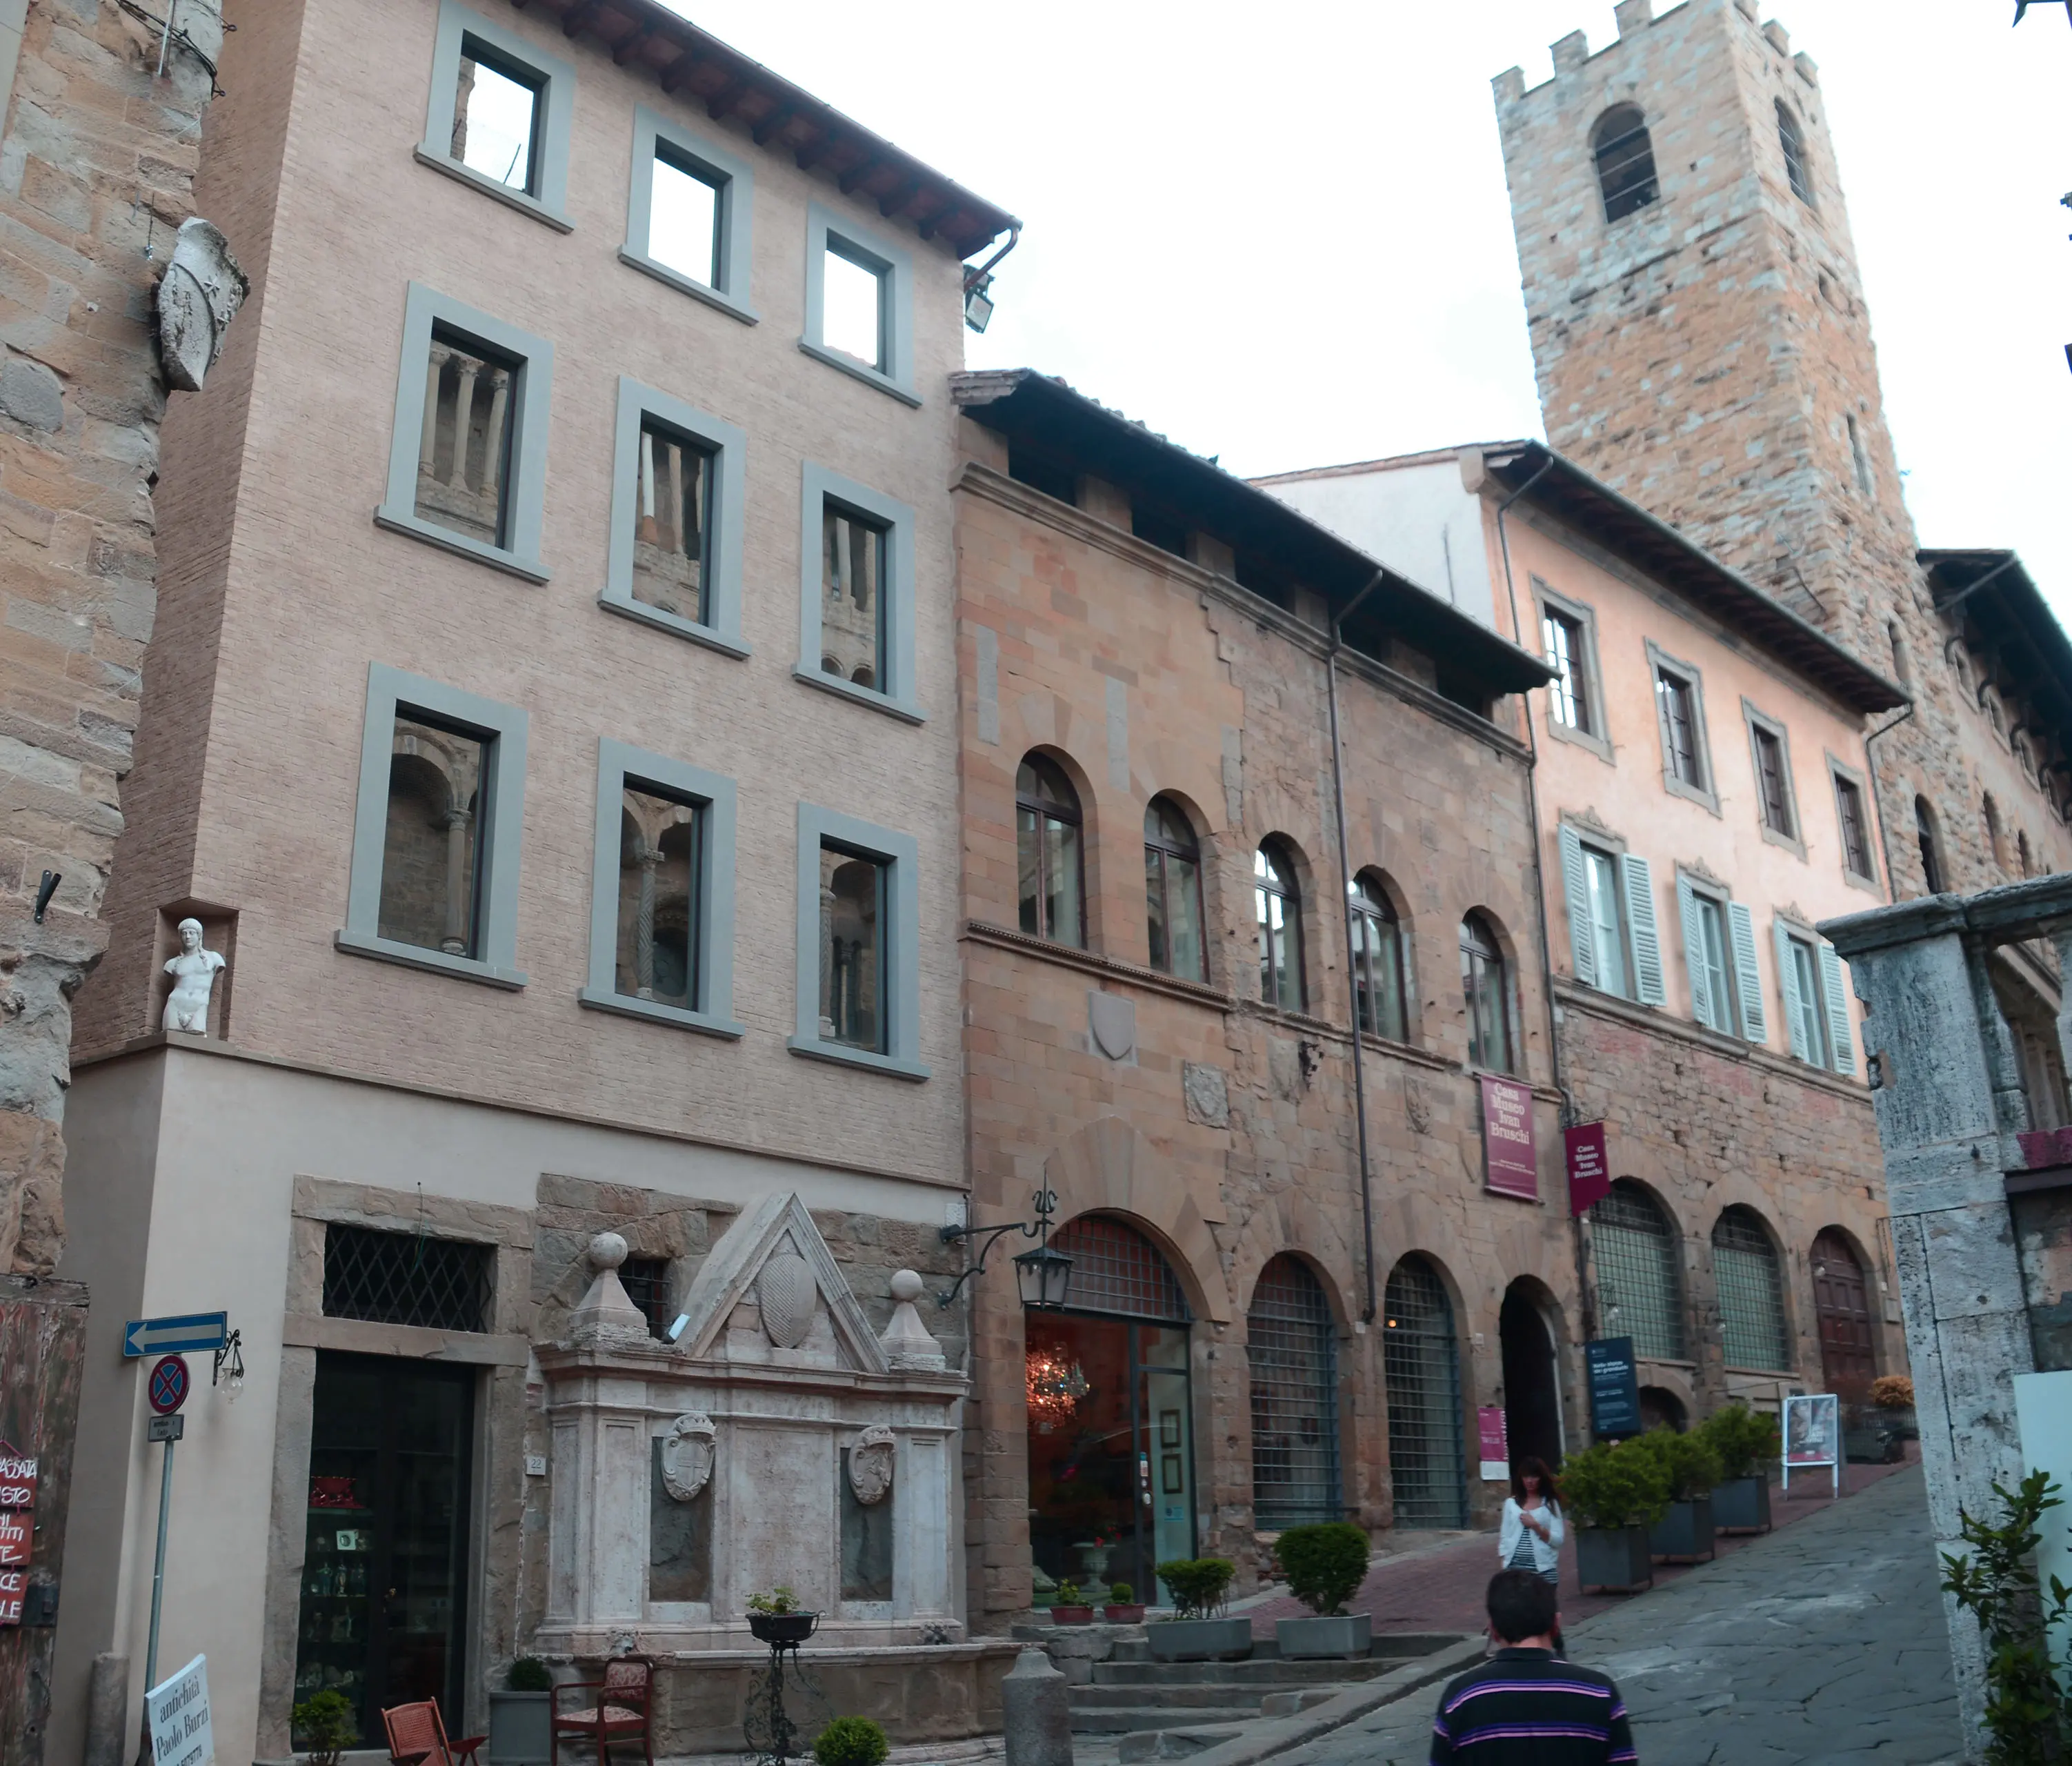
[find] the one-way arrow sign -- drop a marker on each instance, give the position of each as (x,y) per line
(184,1334)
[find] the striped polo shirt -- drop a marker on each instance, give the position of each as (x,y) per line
(1530,1706)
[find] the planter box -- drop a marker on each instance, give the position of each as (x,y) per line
(1742,1505)
(789,1629)
(519,1733)
(1341,1638)
(1685,1531)
(1124,1612)
(1072,1616)
(1200,1640)
(1614,1557)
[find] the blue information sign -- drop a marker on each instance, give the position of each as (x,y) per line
(1614,1387)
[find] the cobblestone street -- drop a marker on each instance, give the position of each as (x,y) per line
(1822,1643)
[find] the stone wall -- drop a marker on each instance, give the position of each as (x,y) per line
(96,168)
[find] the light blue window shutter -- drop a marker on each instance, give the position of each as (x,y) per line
(1787,980)
(1755,1024)
(1582,935)
(1837,1010)
(1694,954)
(1639,882)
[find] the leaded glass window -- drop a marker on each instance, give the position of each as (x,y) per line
(1421,1367)
(1634,1249)
(1292,1345)
(1751,1287)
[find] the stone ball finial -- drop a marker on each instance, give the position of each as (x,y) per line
(905,1286)
(607,1251)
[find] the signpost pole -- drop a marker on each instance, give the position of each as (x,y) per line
(158,1565)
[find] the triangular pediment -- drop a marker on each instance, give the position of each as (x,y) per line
(729,1288)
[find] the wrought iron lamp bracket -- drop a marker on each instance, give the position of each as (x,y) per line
(1046,1205)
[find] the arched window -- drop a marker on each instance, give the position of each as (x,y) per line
(1278,904)
(1293,1347)
(1994,844)
(1625,161)
(1486,981)
(1798,167)
(1751,1294)
(1634,1249)
(1931,852)
(1422,1369)
(1047,844)
(1378,961)
(1173,890)
(1116,1270)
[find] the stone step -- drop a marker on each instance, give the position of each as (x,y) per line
(1265,1673)
(1183,1696)
(1107,1720)
(1173,1743)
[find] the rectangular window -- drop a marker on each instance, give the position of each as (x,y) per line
(500,114)
(1810,1026)
(467,455)
(1817,1006)
(1713,954)
(859,944)
(689,211)
(1852,812)
(857,615)
(662,892)
(1770,785)
(1568,693)
(1607,922)
(1679,722)
(413,1278)
(859,304)
(672,524)
(646,1280)
(434,874)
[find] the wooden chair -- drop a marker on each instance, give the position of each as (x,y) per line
(418,1737)
(624,1709)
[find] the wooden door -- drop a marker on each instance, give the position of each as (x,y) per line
(1841,1302)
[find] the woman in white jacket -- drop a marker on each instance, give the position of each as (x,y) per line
(1532,1527)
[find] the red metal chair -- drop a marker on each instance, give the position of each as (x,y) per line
(624,1709)
(418,1737)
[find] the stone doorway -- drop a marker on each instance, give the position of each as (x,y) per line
(1841,1304)
(1531,1394)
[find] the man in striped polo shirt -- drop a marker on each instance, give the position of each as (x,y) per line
(1525,1704)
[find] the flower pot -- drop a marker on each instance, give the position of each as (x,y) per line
(1685,1531)
(1072,1616)
(520,1733)
(1614,1557)
(1200,1640)
(1342,1638)
(1742,1505)
(1123,1613)
(789,1629)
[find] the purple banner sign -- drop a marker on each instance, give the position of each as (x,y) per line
(1589,1170)
(1508,1165)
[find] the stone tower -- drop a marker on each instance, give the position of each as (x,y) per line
(1702,344)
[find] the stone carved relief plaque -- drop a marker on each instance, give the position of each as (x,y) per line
(871,1463)
(788,1296)
(689,1450)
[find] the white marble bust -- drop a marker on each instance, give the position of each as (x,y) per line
(194,972)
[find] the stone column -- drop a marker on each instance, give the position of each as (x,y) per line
(828,942)
(428,445)
(455,942)
(467,367)
(1949,1104)
(643,926)
(495,462)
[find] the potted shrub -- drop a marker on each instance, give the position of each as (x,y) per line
(324,1724)
(1200,1631)
(1615,1491)
(851,1741)
(1690,1467)
(1122,1607)
(520,1732)
(1325,1565)
(777,1618)
(1069,1608)
(1747,1443)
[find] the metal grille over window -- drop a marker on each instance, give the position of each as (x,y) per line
(1625,162)
(405,1279)
(1421,1365)
(1751,1294)
(1116,1270)
(646,1280)
(1294,1352)
(1634,1249)
(464,452)
(672,525)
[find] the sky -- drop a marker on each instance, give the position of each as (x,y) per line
(1281,234)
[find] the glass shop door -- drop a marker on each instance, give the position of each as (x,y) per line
(1165,1454)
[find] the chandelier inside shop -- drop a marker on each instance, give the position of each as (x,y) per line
(1056,1385)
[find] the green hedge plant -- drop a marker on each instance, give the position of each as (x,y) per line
(1198,1584)
(852,1741)
(1615,1484)
(529,1674)
(1690,1463)
(324,1724)
(1120,1594)
(1746,1441)
(1325,1565)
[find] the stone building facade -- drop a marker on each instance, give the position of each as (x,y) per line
(1159,1018)
(492,745)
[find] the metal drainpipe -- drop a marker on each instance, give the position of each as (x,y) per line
(1368,1308)
(1540,892)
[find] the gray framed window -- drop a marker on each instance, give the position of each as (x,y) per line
(467,456)
(1680,713)
(674,558)
(1751,1289)
(661,927)
(1379,992)
(1486,984)
(1049,864)
(1173,892)
(1614,942)
(500,114)
(1776,798)
(859,304)
(1575,698)
(859,944)
(1635,1247)
(1719,952)
(1816,1006)
(1277,907)
(856,594)
(689,215)
(433,883)
(1852,818)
